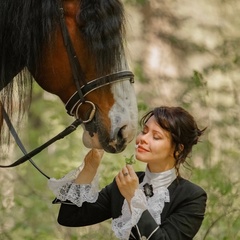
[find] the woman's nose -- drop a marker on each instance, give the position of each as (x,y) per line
(142,138)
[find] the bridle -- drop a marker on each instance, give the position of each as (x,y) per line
(73,104)
(77,99)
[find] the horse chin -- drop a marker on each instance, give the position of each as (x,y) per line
(91,142)
(110,147)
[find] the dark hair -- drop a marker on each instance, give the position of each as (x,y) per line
(182,127)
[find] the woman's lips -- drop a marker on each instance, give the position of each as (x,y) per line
(141,149)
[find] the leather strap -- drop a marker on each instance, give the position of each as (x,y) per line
(95,84)
(28,156)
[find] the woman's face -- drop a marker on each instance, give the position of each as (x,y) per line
(155,147)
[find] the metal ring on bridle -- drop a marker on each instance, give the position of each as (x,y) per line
(91,114)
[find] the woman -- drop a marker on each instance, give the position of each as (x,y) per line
(155,204)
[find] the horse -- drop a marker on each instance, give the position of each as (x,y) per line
(75,49)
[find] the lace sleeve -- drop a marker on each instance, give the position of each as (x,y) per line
(122,225)
(65,189)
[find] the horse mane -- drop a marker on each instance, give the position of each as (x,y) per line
(26,25)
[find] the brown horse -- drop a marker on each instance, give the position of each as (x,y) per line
(74,49)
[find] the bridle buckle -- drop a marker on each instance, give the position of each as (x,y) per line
(91,114)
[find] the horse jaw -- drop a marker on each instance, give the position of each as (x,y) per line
(91,142)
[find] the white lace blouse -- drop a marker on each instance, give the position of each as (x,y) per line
(64,189)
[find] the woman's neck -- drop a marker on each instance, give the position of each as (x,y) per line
(158,168)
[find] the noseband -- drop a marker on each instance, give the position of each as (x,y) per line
(73,104)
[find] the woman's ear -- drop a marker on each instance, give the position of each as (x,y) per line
(181,147)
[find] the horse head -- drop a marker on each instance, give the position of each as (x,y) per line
(94,33)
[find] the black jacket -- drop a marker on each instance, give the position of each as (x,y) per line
(181,218)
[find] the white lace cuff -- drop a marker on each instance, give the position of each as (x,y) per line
(65,189)
(122,225)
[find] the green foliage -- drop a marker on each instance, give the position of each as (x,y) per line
(139,73)
(130,160)
(136,2)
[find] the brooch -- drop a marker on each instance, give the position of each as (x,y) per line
(148,190)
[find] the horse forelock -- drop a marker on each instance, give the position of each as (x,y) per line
(102,23)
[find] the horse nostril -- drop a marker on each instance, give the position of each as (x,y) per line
(118,142)
(120,134)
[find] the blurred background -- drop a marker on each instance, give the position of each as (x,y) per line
(183,53)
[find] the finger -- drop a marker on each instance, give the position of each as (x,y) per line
(130,170)
(120,180)
(93,157)
(96,153)
(125,171)
(122,176)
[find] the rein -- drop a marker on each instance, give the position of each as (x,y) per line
(28,156)
(72,105)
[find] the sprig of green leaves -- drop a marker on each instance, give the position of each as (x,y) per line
(131,160)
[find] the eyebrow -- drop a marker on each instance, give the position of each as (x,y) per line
(161,132)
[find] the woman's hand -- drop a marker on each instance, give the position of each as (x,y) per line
(91,163)
(93,158)
(127,182)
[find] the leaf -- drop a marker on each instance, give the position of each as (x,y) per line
(130,160)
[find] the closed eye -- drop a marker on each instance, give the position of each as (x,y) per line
(157,135)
